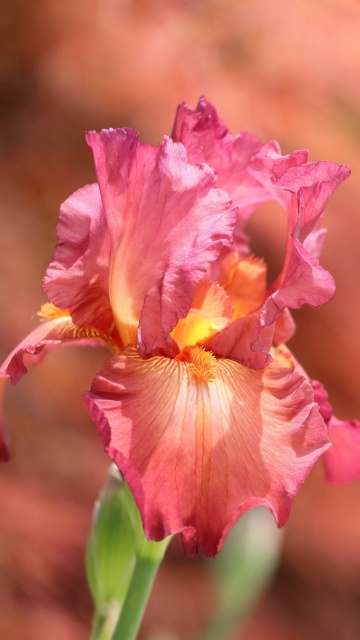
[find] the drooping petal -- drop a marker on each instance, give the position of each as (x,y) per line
(78,277)
(200,440)
(342,460)
(322,399)
(47,335)
(56,332)
(167,224)
(4,440)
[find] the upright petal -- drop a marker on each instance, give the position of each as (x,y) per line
(78,276)
(200,440)
(302,279)
(304,190)
(251,173)
(167,224)
(207,139)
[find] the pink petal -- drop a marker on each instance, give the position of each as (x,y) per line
(306,190)
(4,440)
(45,336)
(284,328)
(245,341)
(310,186)
(49,334)
(253,173)
(167,225)
(197,454)
(78,277)
(322,399)
(207,139)
(342,460)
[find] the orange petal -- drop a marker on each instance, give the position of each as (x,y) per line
(245,283)
(210,312)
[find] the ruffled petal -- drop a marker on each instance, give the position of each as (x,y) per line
(284,328)
(253,173)
(167,224)
(207,139)
(78,277)
(55,332)
(342,460)
(306,190)
(310,186)
(200,440)
(47,335)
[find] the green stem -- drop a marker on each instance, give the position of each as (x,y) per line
(102,630)
(147,565)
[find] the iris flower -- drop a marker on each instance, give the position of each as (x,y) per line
(201,405)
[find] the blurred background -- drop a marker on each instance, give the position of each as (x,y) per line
(283,70)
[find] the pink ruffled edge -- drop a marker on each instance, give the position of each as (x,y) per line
(198,456)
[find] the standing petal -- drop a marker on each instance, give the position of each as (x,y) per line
(302,279)
(253,173)
(78,277)
(306,189)
(167,225)
(200,441)
(207,139)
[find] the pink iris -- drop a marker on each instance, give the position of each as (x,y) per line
(202,408)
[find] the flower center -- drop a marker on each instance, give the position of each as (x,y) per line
(201,364)
(48,311)
(211,311)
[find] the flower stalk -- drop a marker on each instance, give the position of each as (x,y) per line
(146,567)
(121,563)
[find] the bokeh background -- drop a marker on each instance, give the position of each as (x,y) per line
(284,70)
